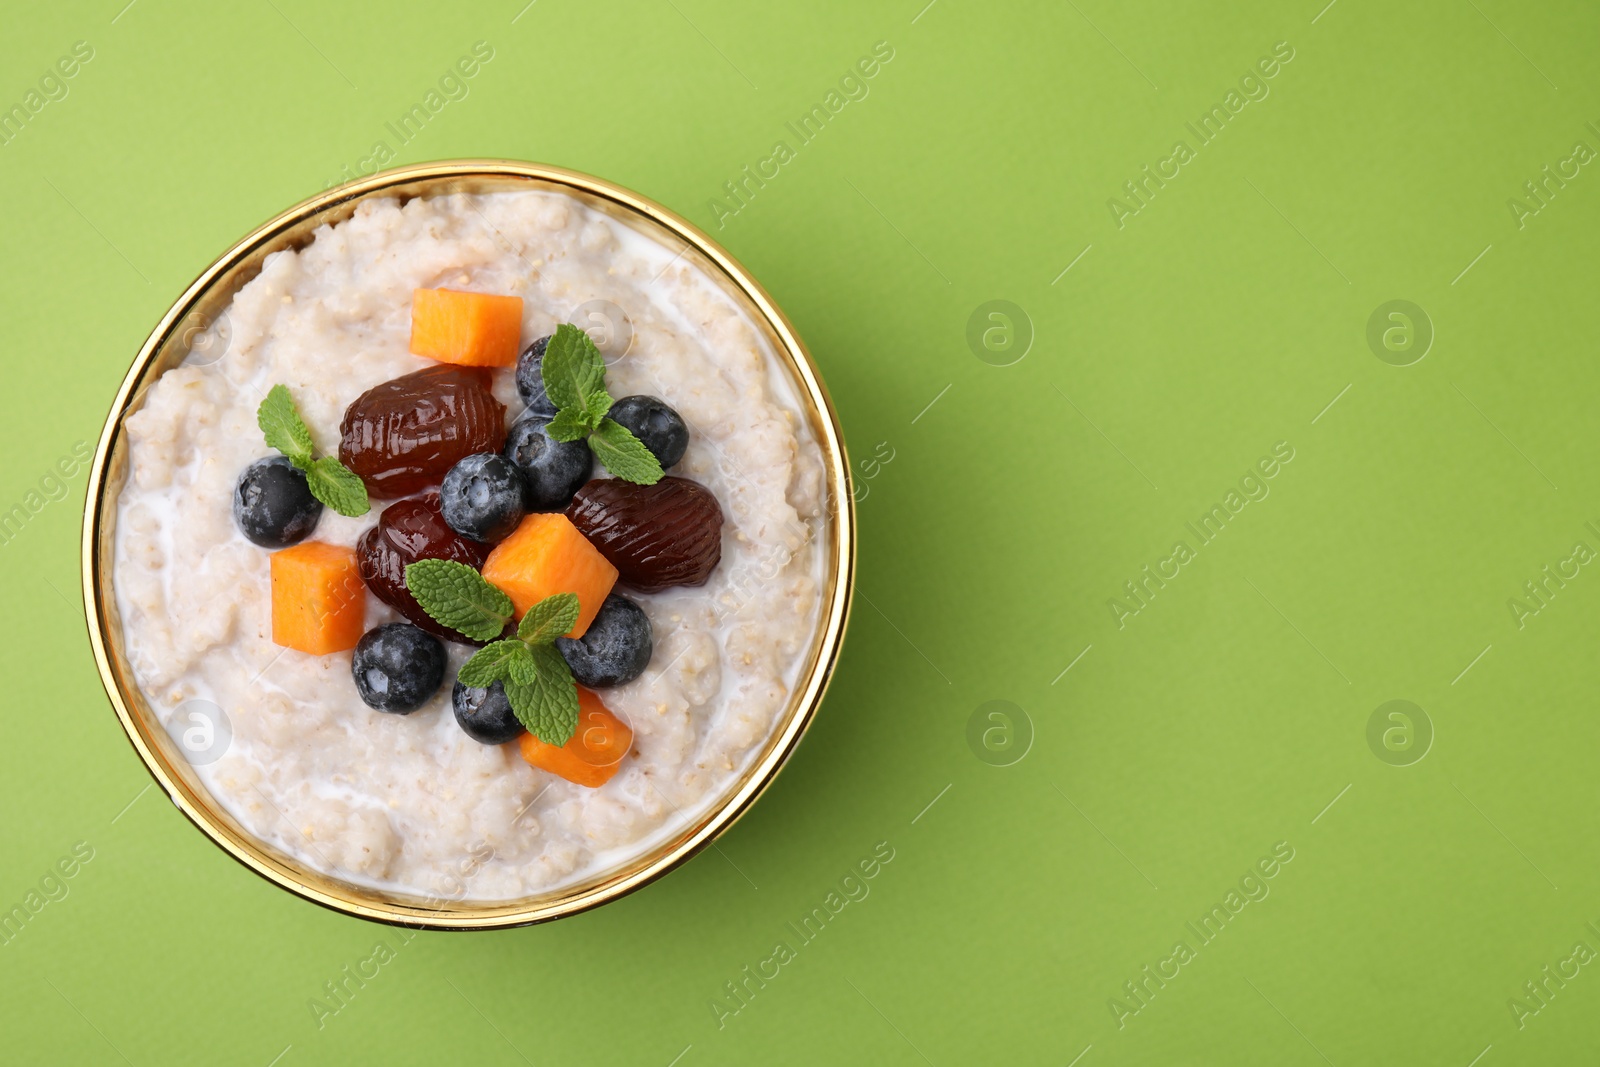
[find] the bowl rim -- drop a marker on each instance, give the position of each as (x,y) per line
(839,557)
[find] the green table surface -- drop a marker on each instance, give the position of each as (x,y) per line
(1145,803)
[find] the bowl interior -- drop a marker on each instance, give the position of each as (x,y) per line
(169,344)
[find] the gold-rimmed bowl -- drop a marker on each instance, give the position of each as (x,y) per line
(205,301)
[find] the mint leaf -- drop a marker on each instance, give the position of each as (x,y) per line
(283,428)
(338,487)
(328,479)
(598,404)
(537,681)
(525,706)
(524,670)
(455,595)
(575,381)
(549,619)
(547,704)
(493,663)
(570,424)
(572,368)
(623,454)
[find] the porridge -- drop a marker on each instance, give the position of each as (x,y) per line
(406,467)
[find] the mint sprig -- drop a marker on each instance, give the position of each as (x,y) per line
(537,681)
(329,480)
(574,375)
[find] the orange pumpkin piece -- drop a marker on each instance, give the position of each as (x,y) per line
(595,750)
(547,555)
(471,329)
(319,604)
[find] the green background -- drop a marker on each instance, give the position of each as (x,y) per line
(1230,714)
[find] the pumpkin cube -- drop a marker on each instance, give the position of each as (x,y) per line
(319,603)
(546,555)
(471,329)
(593,753)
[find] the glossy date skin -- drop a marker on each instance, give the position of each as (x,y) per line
(409,530)
(657,536)
(404,435)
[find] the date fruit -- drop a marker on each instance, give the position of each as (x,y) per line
(404,435)
(409,530)
(657,536)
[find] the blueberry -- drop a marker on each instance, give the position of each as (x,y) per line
(272,505)
(615,649)
(553,470)
(481,497)
(654,422)
(485,714)
(398,667)
(530,378)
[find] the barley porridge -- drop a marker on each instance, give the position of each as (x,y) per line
(347,741)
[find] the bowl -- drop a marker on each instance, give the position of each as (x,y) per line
(170,343)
